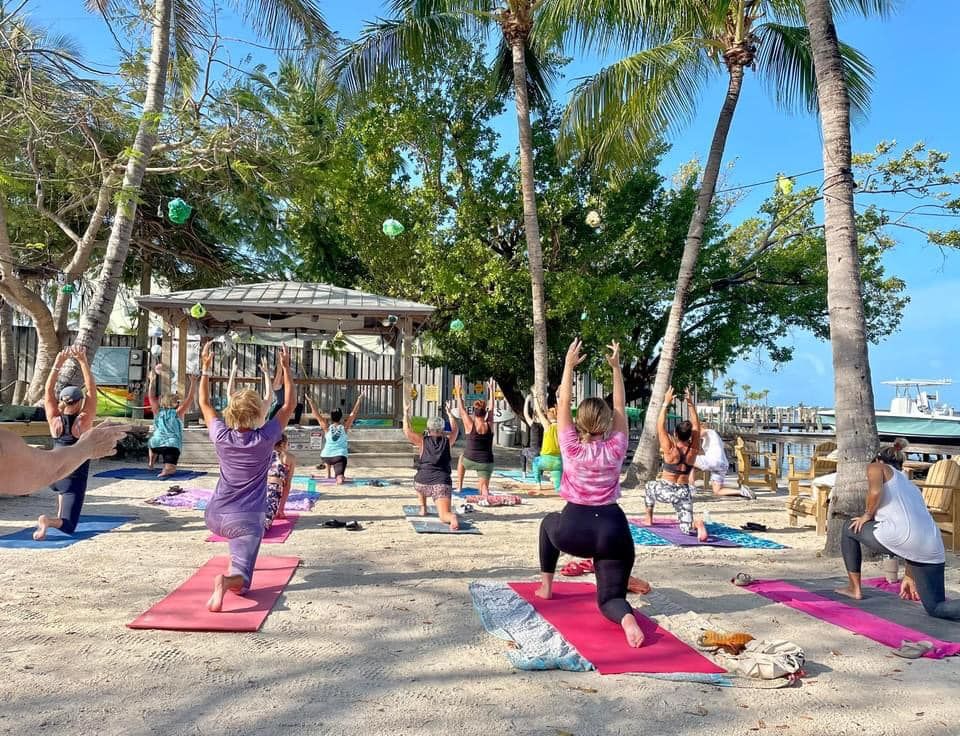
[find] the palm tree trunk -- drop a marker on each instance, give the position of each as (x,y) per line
(143,316)
(852,384)
(97,315)
(644,464)
(531,223)
(8,358)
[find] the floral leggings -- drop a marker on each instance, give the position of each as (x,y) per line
(678,494)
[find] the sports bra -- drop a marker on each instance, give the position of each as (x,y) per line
(682,467)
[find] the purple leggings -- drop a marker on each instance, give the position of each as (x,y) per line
(243,531)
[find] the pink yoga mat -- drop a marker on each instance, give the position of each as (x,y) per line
(185,609)
(573,612)
(847,617)
(276,534)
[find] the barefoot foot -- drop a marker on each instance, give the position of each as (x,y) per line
(632,630)
(638,585)
(701,531)
(455,523)
(215,603)
(850,592)
(544,591)
(42,523)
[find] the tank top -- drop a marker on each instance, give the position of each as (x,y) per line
(682,466)
(904,525)
(167,430)
(278,469)
(66,436)
(551,445)
(536,436)
(335,442)
(479,446)
(434,466)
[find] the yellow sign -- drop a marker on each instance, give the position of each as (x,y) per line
(413,392)
(498,395)
(478,388)
(431,392)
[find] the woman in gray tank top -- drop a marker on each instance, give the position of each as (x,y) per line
(433,478)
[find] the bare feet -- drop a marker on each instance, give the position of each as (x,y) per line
(649,517)
(632,629)
(423,511)
(454,523)
(544,591)
(701,530)
(215,603)
(42,523)
(638,585)
(850,592)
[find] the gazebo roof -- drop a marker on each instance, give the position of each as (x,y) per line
(284,306)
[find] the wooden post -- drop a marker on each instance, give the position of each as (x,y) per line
(407,358)
(182,358)
(166,355)
(398,396)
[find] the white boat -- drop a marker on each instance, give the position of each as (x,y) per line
(914,411)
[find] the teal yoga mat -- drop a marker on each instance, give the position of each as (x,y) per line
(434,526)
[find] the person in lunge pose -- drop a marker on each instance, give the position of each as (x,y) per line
(69,418)
(592,524)
(279,478)
(166,441)
(336,442)
(433,478)
(679,451)
(712,459)
(478,454)
(237,509)
(897,522)
(549,459)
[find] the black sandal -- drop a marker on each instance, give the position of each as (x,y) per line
(174,491)
(752,526)
(334,524)
(354,526)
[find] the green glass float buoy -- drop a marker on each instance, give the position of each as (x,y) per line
(198,311)
(392,228)
(178,211)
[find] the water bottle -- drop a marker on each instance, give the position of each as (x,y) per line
(891,568)
(311,485)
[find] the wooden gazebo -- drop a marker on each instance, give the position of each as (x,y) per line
(282,310)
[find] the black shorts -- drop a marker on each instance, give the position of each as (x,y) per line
(338,463)
(167,455)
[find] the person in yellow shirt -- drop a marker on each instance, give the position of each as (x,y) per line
(549,459)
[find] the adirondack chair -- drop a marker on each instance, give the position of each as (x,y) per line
(820,464)
(747,474)
(805,497)
(941,493)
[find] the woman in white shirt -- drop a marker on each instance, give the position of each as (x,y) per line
(898,523)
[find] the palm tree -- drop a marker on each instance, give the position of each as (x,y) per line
(421,28)
(176,28)
(635,100)
(853,389)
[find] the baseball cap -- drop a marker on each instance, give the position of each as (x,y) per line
(69,394)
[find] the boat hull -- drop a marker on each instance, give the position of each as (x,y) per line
(901,426)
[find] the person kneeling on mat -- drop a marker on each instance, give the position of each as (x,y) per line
(237,509)
(167,437)
(478,454)
(897,522)
(336,441)
(550,458)
(434,478)
(592,524)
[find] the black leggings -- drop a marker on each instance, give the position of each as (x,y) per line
(927,575)
(279,397)
(598,532)
(72,490)
(338,463)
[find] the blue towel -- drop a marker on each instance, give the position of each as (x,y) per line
(435,526)
(517,475)
(148,474)
(89,526)
(744,539)
(645,537)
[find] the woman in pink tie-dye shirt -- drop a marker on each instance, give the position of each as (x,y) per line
(592,524)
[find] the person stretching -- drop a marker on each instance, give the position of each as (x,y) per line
(478,454)
(536,433)
(167,437)
(237,509)
(273,393)
(433,478)
(674,485)
(336,443)
(897,522)
(592,524)
(712,459)
(549,459)
(69,418)
(279,478)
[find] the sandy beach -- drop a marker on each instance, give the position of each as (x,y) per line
(376,634)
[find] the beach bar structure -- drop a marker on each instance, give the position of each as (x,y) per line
(287,311)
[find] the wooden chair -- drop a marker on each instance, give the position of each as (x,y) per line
(820,464)
(940,493)
(747,474)
(812,503)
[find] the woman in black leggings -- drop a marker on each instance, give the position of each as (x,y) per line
(592,524)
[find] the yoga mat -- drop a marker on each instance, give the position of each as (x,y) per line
(573,612)
(185,609)
(276,534)
(148,474)
(669,531)
(415,511)
(720,535)
(427,526)
(646,538)
(517,475)
(89,526)
(882,584)
(376,482)
(856,616)
(191,498)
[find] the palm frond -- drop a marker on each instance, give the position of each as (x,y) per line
(289,24)
(188,29)
(636,100)
(792,12)
(540,75)
(786,62)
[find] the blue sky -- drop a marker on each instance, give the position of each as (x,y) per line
(916,56)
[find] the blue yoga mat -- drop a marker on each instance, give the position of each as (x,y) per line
(89,526)
(148,474)
(434,526)
(517,475)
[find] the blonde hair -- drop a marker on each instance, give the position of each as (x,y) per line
(244,410)
(169,401)
(552,413)
(593,417)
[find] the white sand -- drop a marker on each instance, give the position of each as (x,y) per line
(376,634)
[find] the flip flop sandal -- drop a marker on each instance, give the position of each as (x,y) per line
(742,579)
(467,508)
(353,526)
(174,491)
(334,524)
(586,566)
(913,649)
(752,526)
(572,569)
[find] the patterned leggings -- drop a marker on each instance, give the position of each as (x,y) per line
(678,494)
(274,494)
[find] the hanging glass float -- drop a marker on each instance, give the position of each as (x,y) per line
(392,228)
(198,311)
(784,184)
(178,211)
(584,315)
(593,218)
(68,289)
(457,325)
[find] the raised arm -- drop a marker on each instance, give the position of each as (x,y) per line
(206,371)
(462,408)
(316,414)
(231,383)
(89,383)
(267,385)
(565,392)
(290,398)
(619,392)
(50,403)
(528,415)
(694,419)
(454,427)
(188,399)
(151,395)
(662,434)
(353,413)
(541,415)
(415,438)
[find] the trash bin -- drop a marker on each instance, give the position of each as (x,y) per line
(507,435)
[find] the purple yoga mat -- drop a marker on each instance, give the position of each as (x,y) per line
(852,619)
(668,530)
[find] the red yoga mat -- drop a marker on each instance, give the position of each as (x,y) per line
(573,612)
(185,609)
(276,534)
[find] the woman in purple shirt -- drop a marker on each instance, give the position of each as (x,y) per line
(238,507)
